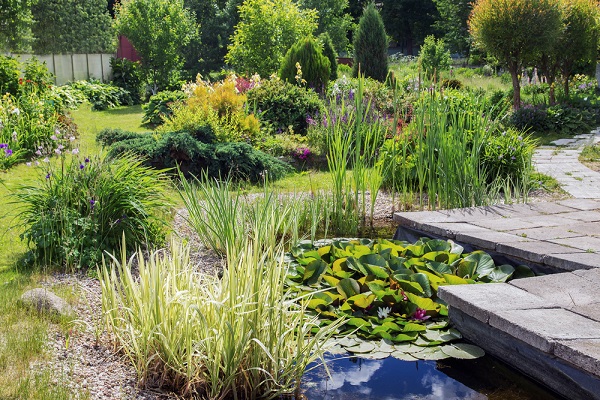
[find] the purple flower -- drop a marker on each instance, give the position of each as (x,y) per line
(75,151)
(8,152)
(81,166)
(420,315)
(3,146)
(87,160)
(48,175)
(39,153)
(92,203)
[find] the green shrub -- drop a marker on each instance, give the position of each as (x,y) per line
(108,136)
(305,64)
(38,74)
(507,155)
(331,54)
(344,70)
(82,208)
(371,46)
(451,84)
(160,106)
(127,75)
(9,75)
(283,105)
(102,95)
(434,57)
(193,157)
(530,118)
(29,124)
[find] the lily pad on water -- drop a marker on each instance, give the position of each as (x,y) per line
(463,351)
(385,291)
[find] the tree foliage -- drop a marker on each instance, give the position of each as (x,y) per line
(158,30)
(333,19)
(576,46)
(329,52)
(267,29)
(306,56)
(216,19)
(71,26)
(15,25)
(516,32)
(454,15)
(409,21)
(371,46)
(434,57)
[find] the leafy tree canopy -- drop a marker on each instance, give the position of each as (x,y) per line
(71,26)
(454,15)
(267,29)
(371,46)
(333,19)
(409,21)
(158,30)
(15,25)
(516,32)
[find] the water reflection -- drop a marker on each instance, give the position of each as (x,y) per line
(392,379)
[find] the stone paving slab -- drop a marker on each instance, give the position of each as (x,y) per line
(546,233)
(584,353)
(542,328)
(480,301)
(585,243)
(567,290)
(540,234)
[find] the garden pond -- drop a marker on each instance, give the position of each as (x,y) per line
(391,379)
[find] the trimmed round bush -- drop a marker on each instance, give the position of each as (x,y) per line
(282,105)
(305,64)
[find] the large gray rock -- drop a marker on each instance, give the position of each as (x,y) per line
(45,300)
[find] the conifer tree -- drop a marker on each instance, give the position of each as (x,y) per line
(329,52)
(371,46)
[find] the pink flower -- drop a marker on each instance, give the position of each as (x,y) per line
(420,315)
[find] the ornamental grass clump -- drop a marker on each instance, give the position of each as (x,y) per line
(81,208)
(241,336)
(224,218)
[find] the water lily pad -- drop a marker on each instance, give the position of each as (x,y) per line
(376,355)
(406,347)
(347,341)
(431,353)
(363,347)
(463,351)
(403,356)
(442,336)
(336,350)
(386,346)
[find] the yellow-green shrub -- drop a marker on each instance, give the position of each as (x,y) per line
(221,106)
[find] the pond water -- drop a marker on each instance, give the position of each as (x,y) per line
(392,379)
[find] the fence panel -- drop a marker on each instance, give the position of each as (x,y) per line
(73,67)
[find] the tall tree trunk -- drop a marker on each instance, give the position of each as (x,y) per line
(514,73)
(551,80)
(566,85)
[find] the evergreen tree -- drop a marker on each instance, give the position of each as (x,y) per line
(305,64)
(371,46)
(329,52)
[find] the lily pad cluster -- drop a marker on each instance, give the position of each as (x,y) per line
(377,350)
(387,290)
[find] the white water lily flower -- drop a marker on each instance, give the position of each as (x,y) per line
(384,312)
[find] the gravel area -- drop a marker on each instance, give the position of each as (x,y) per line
(86,362)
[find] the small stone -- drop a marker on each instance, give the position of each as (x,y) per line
(46,301)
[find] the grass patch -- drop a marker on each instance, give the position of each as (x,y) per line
(90,122)
(590,157)
(23,334)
